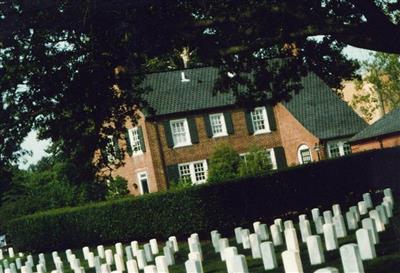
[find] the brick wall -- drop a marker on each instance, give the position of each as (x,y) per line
(383,142)
(241,141)
(294,134)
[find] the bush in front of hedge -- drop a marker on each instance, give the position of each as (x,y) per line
(201,209)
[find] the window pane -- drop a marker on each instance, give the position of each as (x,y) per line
(179,132)
(216,124)
(334,150)
(346,148)
(135,141)
(199,172)
(184,172)
(305,155)
(258,119)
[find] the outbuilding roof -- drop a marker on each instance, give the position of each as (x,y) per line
(388,124)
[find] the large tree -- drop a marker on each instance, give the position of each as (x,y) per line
(72,69)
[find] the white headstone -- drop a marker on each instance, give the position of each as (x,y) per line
(255,246)
(154,246)
(315,213)
(256,225)
(373,214)
(302,217)
(331,242)
(246,238)
(236,264)
(351,260)
(292,242)
(327,270)
(141,259)
(147,252)
(388,193)
(192,266)
(119,249)
(215,237)
(39,268)
(169,255)
(263,232)
(238,235)
(105,268)
(292,262)
(369,223)
(365,244)
(276,235)
(85,251)
(268,255)
(132,266)
(11,252)
(100,251)
(356,212)
(336,210)
(109,257)
(97,264)
(230,251)
(351,220)
(174,243)
(128,252)
(328,217)
(150,269)
(388,208)
(223,243)
(288,224)
(368,201)
(279,223)
(319,222)
(90,259)
(340,227)
(305,230)
(195,246)
(135,247)
(382,214)
(18,263)
(161,264)
(195,256)
(362,207)
(119,262)
(315,250)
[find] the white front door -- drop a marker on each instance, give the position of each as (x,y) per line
(143,182)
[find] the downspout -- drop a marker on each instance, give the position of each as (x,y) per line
(164,167)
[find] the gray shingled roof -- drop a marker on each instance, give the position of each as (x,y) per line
(388,124)
(316,107)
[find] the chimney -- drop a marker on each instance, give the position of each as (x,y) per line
(183,77)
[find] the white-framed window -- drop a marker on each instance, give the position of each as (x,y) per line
(269,156)
(334,150)
(304,154)
(260,120)
(180,132)
(111,149)
(218,126)
(143,182)
(196,172)
(135,141)
(339,148)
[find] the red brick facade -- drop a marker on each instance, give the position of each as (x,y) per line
(289,133)
(376,143)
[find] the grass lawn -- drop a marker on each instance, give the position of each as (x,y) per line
(388,255)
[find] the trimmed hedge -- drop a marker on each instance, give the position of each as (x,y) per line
(200,209)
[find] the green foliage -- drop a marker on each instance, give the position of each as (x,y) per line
(117,188)
(224,163)
(180,184)
(200,209)
(255,163)
(383,83)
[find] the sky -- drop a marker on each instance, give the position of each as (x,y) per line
(38,147)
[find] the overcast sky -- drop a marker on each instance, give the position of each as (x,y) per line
(38,147)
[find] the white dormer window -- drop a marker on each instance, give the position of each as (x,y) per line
(218,126)
(260,120)
(180,132)
(135,141)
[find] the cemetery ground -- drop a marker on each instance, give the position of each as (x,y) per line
(387,251)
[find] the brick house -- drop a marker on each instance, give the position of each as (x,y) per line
(175,140)
(384,133)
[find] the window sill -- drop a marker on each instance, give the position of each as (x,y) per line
(220,135)
(137,154)
(262,132)
(183,145)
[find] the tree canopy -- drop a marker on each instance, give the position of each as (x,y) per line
(72,70)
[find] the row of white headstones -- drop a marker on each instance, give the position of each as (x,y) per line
(261,243)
